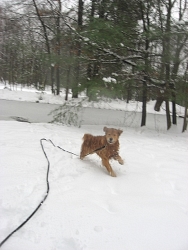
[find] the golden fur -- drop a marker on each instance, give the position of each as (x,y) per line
(106,146)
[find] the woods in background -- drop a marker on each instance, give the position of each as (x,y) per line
(133,50)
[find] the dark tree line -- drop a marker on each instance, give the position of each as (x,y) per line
(114,48)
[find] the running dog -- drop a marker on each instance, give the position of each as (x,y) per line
(106,147)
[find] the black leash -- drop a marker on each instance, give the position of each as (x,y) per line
(98,149)
(40,204)
(62,148)
(47,184)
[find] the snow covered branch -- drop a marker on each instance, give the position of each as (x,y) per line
(122,59)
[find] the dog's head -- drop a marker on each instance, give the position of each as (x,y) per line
(112,134)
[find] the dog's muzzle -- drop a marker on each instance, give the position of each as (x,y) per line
(110,141)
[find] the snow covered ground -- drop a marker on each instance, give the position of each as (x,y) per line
(32,95)
(144,208)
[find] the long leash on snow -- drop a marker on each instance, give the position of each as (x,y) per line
(47,185)
(40,204)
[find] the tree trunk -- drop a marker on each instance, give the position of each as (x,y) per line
(185,119)
(146,28)
(57,80)
(78,48)
(129,93)
(76,80)
(92,9)
(47,44)
(186,104)
(168,119)
(68,82)
(144,102)
(102,9)
(167,62)
(58,46)
(174,118)
(52,79)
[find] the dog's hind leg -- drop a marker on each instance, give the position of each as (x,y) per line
(82,154)
(106,163)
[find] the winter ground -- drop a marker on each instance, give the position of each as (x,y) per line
(144,208)
(32,95)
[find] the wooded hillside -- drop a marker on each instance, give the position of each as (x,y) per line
(115,48)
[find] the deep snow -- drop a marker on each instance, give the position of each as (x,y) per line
(32,95)
(144,208)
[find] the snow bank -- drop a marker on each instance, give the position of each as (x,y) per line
(145,207)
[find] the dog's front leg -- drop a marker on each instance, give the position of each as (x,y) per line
(118,158)
(106,163)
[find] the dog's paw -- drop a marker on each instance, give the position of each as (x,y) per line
(112,174)
(121,161)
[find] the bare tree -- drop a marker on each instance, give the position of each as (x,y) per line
(78,48)
(145,14)
(186,101)
(173,42)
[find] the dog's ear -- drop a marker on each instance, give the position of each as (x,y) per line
(120,131)
(105,129)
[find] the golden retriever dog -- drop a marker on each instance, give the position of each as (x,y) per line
(106,146)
